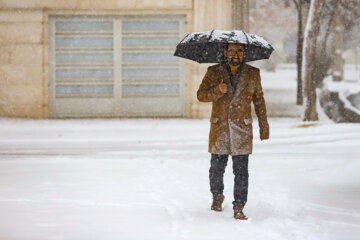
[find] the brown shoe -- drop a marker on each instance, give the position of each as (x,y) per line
(217,202)
(238,212)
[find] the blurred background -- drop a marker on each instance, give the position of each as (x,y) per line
(114,58)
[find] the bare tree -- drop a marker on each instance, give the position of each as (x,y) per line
(338,46)
(302,7)
(331,16)
(337,18)
(309,51)
(346,14)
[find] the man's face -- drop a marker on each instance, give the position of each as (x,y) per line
(235,54)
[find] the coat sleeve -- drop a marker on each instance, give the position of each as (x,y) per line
(209,88)
(260,107)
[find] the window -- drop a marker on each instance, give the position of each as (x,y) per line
(116,66)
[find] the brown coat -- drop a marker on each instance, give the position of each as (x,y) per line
(231,121)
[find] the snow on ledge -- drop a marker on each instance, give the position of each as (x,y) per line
(344,89)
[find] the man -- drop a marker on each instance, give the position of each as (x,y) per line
(231,87)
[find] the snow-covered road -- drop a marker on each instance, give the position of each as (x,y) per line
(148,179)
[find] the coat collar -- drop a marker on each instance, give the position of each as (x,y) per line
(243,79)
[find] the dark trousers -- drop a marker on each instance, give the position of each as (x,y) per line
(240,170)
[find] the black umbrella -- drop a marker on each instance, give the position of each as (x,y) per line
(208,47)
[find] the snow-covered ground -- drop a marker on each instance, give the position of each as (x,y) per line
(148,179)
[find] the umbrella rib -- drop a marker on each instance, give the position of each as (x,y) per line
(247,39)
(211,34)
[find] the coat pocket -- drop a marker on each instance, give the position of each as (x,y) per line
(214,119)
(248,121)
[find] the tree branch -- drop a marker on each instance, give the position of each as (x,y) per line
(296,2)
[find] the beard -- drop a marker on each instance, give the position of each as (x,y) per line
(235,63)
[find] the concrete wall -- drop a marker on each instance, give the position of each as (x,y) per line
(96,4)
(217,15)
(24,45)
(21,63)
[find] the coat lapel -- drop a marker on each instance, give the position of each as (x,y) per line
(243,80)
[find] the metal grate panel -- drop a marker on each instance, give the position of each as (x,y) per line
(115,66)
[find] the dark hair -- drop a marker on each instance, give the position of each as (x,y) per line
(227,45)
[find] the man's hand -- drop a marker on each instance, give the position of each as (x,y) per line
(264,132)
(223,87)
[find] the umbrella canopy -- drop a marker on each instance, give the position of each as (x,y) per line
(208,47)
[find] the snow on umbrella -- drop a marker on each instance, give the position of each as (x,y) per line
(208,47)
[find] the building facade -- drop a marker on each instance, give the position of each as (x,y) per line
(108,58)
